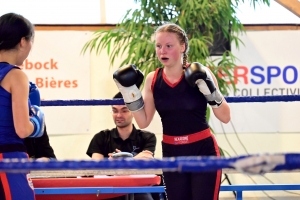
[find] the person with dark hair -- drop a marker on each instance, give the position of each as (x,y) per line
(124,138)
(180,93)
(18,118)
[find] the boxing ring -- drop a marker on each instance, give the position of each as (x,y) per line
(112,186)
(106,178)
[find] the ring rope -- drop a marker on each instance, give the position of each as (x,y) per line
(105,102)
(255,164)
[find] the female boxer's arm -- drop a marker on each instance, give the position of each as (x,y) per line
(19,92)
(223,112)
(144,116)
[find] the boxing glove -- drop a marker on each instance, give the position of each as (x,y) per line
(128,79)
(197,74)
(34,94)
(38,120)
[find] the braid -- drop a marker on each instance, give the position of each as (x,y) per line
(183,40)
(184,60)
(186,43)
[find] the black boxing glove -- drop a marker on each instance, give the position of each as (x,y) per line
(128,79)
(197,74)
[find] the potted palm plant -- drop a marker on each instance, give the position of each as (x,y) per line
(211,27)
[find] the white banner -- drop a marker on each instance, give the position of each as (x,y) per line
(61,72)
(268,65)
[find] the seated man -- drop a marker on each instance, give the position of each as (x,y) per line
(124,138)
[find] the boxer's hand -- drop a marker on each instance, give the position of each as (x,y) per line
(144,155)
(111,154)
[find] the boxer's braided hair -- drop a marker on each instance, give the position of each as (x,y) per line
(182,36)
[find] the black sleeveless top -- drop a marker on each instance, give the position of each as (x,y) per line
(181,107)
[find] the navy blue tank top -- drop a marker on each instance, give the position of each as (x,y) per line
(182,108)
(8,133)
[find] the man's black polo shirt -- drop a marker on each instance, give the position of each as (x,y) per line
(107,141)
(39,147)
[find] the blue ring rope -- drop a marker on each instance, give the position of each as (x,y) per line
(105,102)
(181,164)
